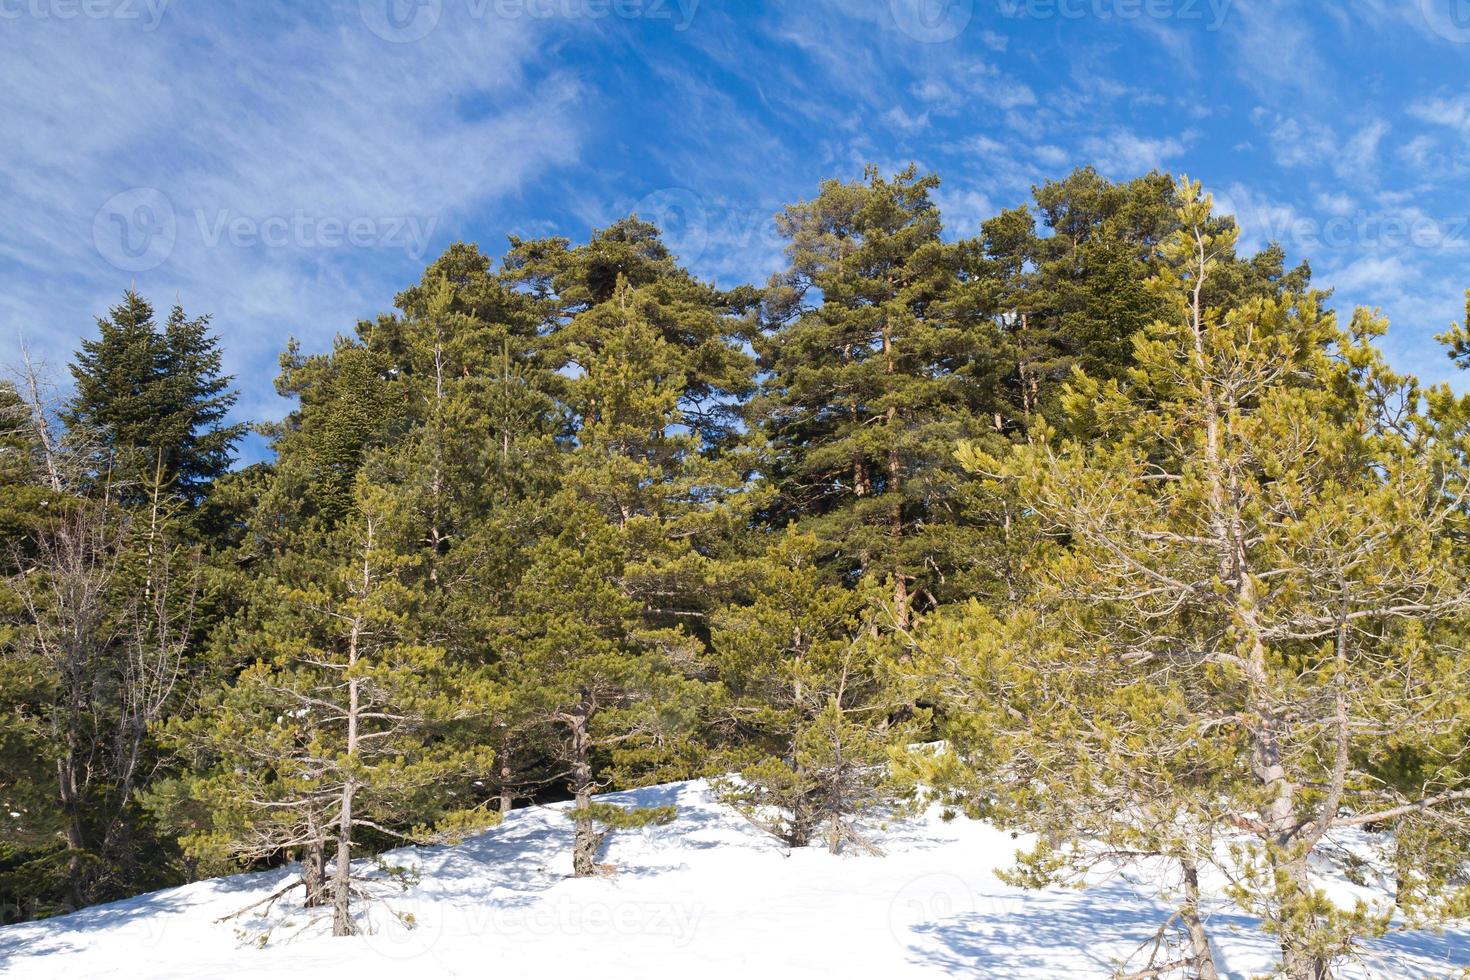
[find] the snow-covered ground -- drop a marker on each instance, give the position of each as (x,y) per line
(707,896)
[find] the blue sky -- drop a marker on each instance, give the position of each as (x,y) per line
(288,167)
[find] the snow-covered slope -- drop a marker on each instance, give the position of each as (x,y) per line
(707,896)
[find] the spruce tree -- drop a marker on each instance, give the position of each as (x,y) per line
(350,403)
(151,392)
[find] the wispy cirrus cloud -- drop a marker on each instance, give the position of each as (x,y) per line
(284,155)
(312,158)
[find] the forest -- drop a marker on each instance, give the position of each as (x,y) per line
(1091,526)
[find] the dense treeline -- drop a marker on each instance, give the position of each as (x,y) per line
(1154,555)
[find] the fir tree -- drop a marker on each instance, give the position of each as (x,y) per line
(152,392)
(27,782)
(350,403)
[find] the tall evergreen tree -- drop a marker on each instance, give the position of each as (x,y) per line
(1075,267)
(468,349)
(153,392)
(613,605)
(879,359)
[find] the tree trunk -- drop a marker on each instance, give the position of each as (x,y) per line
(342,924)
(895,490)
(799,832)
(314,873)
(585,848)
(1286,846)
(507,798)
(1199,940)
(75,841)
(586,840)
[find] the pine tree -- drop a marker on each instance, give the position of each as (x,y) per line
(483,450)
(810,697)
(340,727)
(1075,290)
(607,641)
(1241,626)
(880,358)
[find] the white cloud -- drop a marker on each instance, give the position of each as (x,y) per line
(1123,154)
(1451,113)
(995,42)
(1418,151)
(1317,146)
(1374,275)
(289,125)
(1275,50)
(1261,219)
(906,122)
(965,210)
(1358,159)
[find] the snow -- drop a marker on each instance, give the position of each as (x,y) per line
(707,896)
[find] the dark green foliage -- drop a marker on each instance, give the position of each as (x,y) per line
(881,356)
(147,392)
(1074,269)
(583,521)
(608,626)
(810,689)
